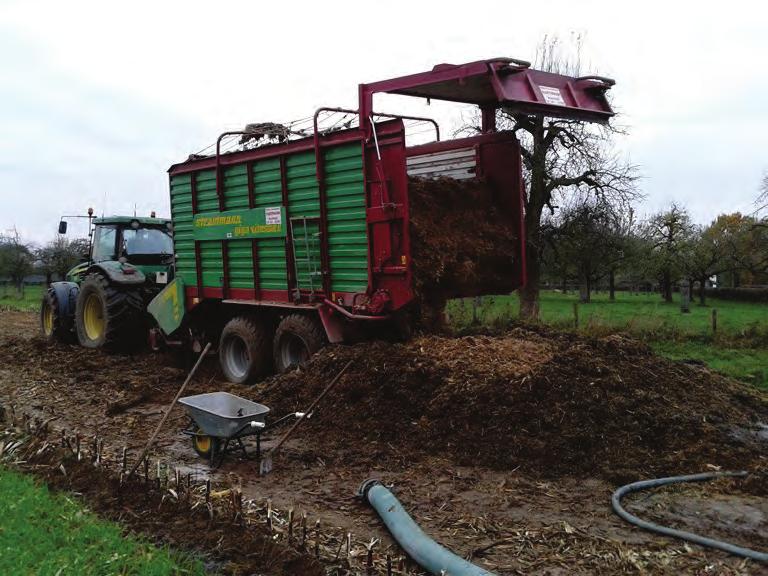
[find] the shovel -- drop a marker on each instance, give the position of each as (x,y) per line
(265,466)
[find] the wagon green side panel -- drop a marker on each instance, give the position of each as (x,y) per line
(210,250)
(304,213)
(345,209)
(273,272)
(211,263)
(346,222)
(235,184)
(184,245)
(240,259)
(267,192)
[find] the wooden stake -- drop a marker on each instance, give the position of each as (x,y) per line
(714,320)
(290,524)
(317,538)
(369,561)
(170,407)
(389,565)
(303,529)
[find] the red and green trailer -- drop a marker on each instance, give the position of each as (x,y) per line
(280,248)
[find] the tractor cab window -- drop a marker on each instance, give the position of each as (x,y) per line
(146,242)
(104,243)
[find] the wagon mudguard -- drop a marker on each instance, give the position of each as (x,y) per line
(119,273)
(66,296)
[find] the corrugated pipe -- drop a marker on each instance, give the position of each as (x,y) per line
(420,547)
(682,534)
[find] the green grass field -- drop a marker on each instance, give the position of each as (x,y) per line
(638,314)
(28,300)
(50,534)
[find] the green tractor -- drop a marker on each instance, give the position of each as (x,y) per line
(103,300)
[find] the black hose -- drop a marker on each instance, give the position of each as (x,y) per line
(682,534)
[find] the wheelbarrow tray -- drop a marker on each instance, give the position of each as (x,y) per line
(221,414)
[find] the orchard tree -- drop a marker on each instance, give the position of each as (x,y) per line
(561,158)
(588,241)
(59,255)
(670,237)
(707,257)
(16,257)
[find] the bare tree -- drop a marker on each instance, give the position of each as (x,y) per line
(586,241)
(16,257)
(560,158)
(670,234)
(762,198)
(59,255)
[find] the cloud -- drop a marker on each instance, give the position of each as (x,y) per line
(98,98)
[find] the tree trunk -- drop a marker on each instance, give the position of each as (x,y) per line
(703,291)
(564,285)
(667,286)
(536,200)
(529,294)
(48,278)
(585,289)
(612,285)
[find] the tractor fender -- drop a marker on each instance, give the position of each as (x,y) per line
(66,297)
(119,273)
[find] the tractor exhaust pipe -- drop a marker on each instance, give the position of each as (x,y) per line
(420,547)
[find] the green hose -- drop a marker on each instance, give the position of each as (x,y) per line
(421,548)
(682,534)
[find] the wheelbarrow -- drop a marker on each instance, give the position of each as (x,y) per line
(219,421)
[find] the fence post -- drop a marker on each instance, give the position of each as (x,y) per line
(576,315)
(476,302)
(714,320)
(685,297)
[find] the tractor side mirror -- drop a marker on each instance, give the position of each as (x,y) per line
(63,227)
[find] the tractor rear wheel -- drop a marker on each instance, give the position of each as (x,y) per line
(297,338)
(107,316)
(54,325)
(244,350)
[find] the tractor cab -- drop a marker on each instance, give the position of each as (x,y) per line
(138,241)
(102,302)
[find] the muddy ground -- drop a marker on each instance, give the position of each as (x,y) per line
(523,488)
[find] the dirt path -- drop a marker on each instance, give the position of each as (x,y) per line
(511,521)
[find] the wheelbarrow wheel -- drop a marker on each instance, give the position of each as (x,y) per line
(205,445)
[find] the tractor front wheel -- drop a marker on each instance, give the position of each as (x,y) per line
(50,319)
(107,316)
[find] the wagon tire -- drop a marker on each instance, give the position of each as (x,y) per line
(107,316)
(55,326)
(244,350)
(297,338)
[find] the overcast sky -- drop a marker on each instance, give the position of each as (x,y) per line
(98,99)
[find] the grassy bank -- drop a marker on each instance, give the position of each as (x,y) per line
(43,533)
